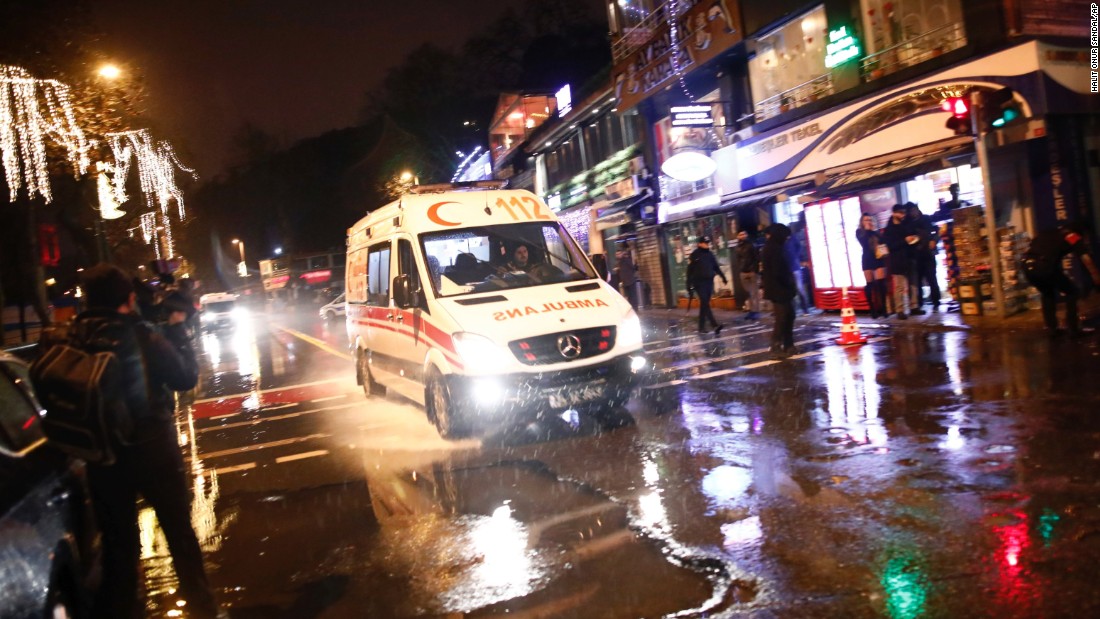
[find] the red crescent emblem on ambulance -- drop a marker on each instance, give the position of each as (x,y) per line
(433,214)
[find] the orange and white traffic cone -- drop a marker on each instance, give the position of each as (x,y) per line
(849,329)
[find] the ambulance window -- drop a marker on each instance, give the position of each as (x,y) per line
(406,265)
(378,275)
(356,285)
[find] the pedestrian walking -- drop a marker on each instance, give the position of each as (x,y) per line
(1043,267)
(779,287)
(799,260)
(627,274)
(701,270)
(748,271)
(154,364)
(874,264)
(924,259)
(900,237)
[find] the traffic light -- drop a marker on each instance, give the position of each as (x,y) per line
(960,115)
(1000,108)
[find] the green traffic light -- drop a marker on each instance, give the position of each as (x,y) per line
(1007,116)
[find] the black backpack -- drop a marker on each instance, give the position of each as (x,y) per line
(79,381)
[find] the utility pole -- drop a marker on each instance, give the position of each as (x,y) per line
(976,117)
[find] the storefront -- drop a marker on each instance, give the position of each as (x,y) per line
(893,147)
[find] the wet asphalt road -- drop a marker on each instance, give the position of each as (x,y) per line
(924,474)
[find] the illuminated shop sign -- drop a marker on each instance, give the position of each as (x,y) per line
(692,116)
(841,47)
(565,100)
(316,277)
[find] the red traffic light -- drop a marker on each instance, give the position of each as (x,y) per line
(957,106)
(959,123)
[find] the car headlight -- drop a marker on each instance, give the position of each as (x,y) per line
(630,330)
(474,348)
(239,314)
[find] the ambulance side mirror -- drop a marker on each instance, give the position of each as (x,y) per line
(403,294)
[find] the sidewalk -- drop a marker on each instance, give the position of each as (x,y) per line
(1030,320)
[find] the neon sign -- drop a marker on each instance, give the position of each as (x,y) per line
(841,48)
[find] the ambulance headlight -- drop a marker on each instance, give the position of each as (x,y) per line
(239,314)
(487,391)
(479,350)
(630,330)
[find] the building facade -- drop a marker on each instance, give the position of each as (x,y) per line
(823,111)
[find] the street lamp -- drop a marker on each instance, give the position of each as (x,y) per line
(242,270)
(109,71)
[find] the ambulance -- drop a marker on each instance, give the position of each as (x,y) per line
(476,303)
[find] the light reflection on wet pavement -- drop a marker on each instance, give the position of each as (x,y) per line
(924,474)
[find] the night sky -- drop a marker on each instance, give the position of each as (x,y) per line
(294,68)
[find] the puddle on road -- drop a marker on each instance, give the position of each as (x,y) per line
(512,537)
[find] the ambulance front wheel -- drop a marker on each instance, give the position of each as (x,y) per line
(364,376)
(441,409)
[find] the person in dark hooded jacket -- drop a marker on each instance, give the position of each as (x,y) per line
(779,286)
(702,267)
(149,462)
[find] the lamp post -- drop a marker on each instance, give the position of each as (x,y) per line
(242,270)
(108,208)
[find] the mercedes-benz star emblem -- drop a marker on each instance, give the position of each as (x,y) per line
(569,346)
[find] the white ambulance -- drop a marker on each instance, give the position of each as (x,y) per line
(476,302)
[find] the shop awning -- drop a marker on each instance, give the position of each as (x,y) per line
(607,210)
(767,195)
(884,172)
(611,214)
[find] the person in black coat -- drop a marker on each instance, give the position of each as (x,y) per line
(702,267)
(1043,268)
(149,462)
(874,264)
(924,259)
(779,286)
(900,237)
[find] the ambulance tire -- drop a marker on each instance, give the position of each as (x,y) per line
(442,412)
(370,386)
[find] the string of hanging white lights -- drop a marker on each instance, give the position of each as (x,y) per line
(157,164)
(30,111)
(33,110)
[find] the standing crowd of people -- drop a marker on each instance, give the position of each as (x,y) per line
(906,251)
(773,273)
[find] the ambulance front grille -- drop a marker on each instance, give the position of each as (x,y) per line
(563,346)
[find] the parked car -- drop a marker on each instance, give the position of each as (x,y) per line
(49,543)
(334,309)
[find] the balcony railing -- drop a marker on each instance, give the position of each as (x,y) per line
(821,86)
(912,51)
(672,188)
(638,33)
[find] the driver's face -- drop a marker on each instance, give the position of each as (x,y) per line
(520,255)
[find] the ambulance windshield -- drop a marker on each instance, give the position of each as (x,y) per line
(494,258)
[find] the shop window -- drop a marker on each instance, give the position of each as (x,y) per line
(788,69)
(902,33)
